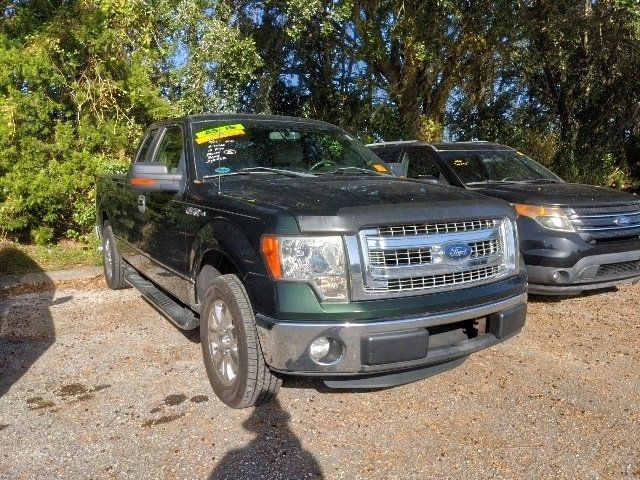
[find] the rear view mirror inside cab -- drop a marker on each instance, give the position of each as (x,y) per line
(286,135)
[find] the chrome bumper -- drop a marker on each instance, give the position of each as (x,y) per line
(286,344)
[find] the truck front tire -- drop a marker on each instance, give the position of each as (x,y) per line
(232,354)
(112,261)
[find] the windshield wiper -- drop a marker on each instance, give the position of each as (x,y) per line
(343,170)
(250,170)
(289,173)
(486,182)
(540,180)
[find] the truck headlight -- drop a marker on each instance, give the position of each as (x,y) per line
(512,250)
(549,217)
(319,261)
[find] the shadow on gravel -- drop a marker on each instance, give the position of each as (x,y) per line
(319,386)
(26,326)
(275,452)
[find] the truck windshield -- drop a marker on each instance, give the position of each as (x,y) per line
(479,167)
(241,146)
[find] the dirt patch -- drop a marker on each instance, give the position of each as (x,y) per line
(559,400)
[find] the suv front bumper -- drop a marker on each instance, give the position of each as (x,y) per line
(389,345)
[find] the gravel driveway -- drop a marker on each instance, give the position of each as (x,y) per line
(96,384)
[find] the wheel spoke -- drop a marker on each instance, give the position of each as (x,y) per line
(233,353)
(216,316)
(230,369)
(227,319)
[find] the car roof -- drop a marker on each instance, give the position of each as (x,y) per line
(444,147)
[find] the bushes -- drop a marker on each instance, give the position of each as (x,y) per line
(75,95)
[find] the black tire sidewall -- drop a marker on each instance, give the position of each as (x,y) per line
(231,395)
(116,280)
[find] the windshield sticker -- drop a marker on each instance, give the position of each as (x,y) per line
(380,168)
(461,162)
(219,151)
(222,170)
(219,133)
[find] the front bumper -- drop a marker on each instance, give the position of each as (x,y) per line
(589,273)
(566,263)
(393,344)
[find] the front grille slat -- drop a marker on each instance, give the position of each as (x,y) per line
(438,281)
(434,228)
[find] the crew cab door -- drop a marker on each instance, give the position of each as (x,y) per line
(127,217)
(162,231)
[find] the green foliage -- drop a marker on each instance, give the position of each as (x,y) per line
(80,81)
(72,95)
(42,236)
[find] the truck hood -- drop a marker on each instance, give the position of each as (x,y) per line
(348,203)
(557,194)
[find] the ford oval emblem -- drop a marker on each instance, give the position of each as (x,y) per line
(622,220)
(456,251)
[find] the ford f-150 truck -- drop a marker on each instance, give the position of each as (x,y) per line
(285,241)
(573,237)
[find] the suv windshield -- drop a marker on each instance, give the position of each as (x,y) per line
(238,146)
(496,166)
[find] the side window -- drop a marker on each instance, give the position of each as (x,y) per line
(421,164)
(171,149)
(389,155)
(143,151)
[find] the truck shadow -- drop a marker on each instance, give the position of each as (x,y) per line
(319,386)
(26,325)
(275,452)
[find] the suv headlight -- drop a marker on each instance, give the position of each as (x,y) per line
(549,217)
(319,261)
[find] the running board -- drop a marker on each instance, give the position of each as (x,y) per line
(181,316)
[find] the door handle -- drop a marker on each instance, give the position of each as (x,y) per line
(142,203)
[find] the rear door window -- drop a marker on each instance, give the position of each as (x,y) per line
(420,164)
(144,151)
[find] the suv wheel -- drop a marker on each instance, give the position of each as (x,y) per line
(232,355)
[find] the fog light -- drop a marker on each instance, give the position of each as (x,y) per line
(326,351)
(319,348)
(561,276)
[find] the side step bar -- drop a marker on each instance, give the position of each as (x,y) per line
(181,316)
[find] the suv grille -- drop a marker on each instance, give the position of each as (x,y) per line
(618,268)
(435,281)
(434,228)
(622,221)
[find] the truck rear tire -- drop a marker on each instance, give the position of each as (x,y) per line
(230,347)
(112,261)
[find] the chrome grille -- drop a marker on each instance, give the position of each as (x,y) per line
(434,228)
(395,258)
(630,207)
(485,248)
(607,222)
(436,281)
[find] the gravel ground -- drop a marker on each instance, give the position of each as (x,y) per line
(96,384)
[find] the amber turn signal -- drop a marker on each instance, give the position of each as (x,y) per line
(142,182)
(271,251)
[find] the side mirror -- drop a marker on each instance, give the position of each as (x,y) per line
(154,177)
